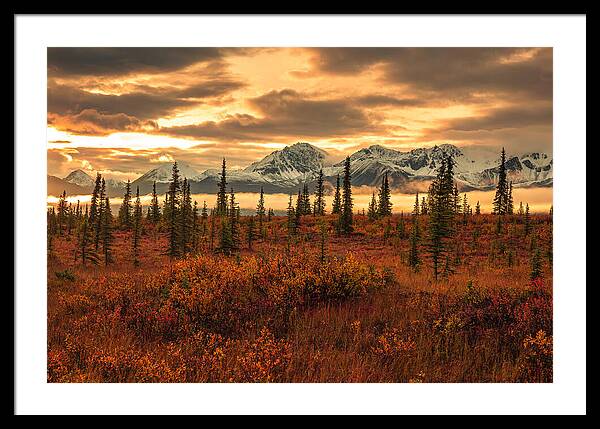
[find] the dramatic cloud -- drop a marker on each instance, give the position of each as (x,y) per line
(449,72)
(285,114)
(120,61)
(123,110)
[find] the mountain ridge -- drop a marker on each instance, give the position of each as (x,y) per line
(282,171)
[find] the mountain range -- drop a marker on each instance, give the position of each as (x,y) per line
(285,170)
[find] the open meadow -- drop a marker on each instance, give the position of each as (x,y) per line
(313,307)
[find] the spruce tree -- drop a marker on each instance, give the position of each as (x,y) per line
(345,220)
(501,198)
(154,206)
(319,209)
(509,200)
(477,208)
(441,212)
(222,193)
(260,209)
(384,205)
(93,220)
(372,211)
(527,220)
(465,209)
(99,214)
(62,212)
(291,219)
(337,200)
(456,199)
(423,206)
(174,207)
(234,221)
(306,210)
(536,264)
(413,257)
(415,211)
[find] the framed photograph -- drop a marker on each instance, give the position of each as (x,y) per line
(240,213)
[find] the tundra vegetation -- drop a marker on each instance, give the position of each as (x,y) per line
(177,293)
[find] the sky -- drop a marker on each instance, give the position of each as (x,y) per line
(122,111)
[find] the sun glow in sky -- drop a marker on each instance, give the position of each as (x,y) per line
(122,110)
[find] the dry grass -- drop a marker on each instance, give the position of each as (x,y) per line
(271,315)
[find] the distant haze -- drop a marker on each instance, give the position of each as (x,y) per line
(539,200)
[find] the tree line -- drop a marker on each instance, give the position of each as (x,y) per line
(185,224)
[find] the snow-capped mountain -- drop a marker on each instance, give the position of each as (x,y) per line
(162,173)
(298,161)
(80,178)
(286,169)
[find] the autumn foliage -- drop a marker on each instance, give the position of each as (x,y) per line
(325,308)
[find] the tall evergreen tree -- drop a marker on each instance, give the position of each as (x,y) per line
(416,206)
(291,219)
(456,199)
(372,211)
(345,221)
(536,264)
(509,200)
(527,220)
(204,213)
(93,220)
(306,210)
(154,206)
(62,212)
(501,198)
(319,209)
(423,206)
(260,209)
(413,257)
(222,193)
(384,205)
(172,213)
(234,221)
(465,209)
(99,214)
(477,208)
(441,212)
(337,199)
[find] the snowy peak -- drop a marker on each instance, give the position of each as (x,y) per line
(291,162)
(163,173)
(80,178)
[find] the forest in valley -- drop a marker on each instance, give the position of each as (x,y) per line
(186,291)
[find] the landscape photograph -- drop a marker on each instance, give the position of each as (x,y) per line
(299,215)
